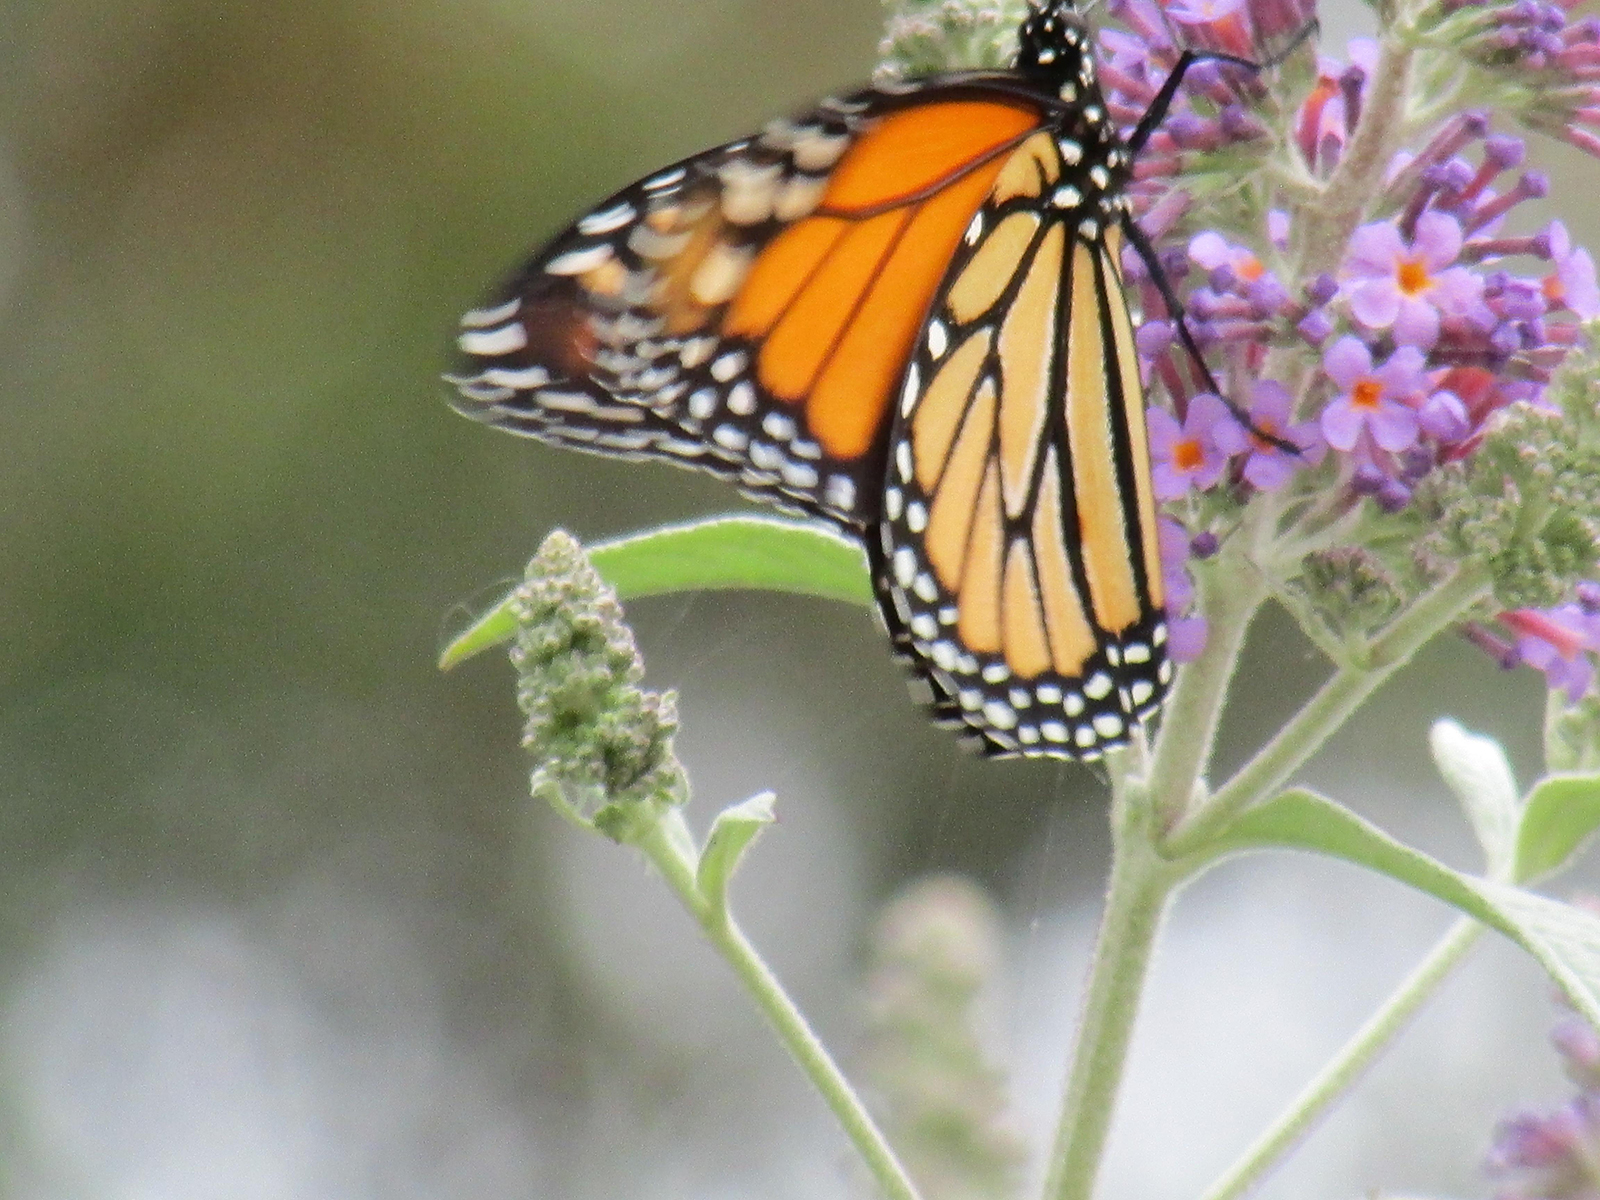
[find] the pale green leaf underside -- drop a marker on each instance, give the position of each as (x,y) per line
(1562,813)
(731,834)
(744,552)
(1565,940)
(1476,769)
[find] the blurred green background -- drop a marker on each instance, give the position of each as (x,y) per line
(278,921)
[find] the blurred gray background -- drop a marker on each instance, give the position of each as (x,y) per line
(277,919)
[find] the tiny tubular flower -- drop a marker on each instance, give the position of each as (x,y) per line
(1406,286)
(1268,466)
(1571,281)
(1188,455)
(1372,397)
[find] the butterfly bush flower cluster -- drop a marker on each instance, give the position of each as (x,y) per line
(1388,338)
(1554,1154)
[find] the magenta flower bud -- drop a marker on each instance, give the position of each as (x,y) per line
(1204,545)
(1192,132)
(1322,289)
(1239,125)
(1505,340)
(1267,294)
(1505,151)
(1154,338)
(1444,417)
(1315,327)
(1415,462)
(1366,479)
(1392,496)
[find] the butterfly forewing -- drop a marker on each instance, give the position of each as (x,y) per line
(750,310)
(1018,561)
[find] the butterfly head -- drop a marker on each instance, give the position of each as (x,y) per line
(1055,41)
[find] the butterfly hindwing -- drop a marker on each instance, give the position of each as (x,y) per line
(1017,561)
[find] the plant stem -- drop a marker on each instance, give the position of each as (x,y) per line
(1230,594)
(1334,215)
(1346,1066)
(1326,711)
(670,849)
(1136,897)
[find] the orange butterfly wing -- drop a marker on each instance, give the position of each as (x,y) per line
(903,312)
(751,311)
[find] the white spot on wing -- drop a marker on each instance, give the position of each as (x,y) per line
(576,262)
(607,219)
(489,343)
(527,377)
(479,318)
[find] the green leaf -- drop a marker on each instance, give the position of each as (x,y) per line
(731,834)
(1562,813)
(1477,771)
(1565,940)
(759,553)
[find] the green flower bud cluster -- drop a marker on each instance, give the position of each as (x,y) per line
(602,745)
(925,37)
(1525,506)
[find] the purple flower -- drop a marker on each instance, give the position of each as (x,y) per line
(1202,12)
(1391,284)
(1186,638)
(1559,642)
(1270,467)
(1186,635)
(1173,542)
(1571,282)
(1444,418)
(1371,397)
(1552,1154)
(1187,456)
(1579,1046)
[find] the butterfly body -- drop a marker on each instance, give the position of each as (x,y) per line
(901,312)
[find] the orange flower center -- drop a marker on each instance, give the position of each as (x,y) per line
(1186,455)
(1413,276)
(1267,427)
(1366,393)
(1552,288)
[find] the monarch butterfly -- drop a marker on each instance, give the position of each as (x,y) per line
(902,312)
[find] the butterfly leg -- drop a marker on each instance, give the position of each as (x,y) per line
(1147,252)
(1157,112)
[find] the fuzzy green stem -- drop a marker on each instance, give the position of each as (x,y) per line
(1137,895)
(1334,216)
(670,849)
(1231,592)
(1326,711)
(1342,1071)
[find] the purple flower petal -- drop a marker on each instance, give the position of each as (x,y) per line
(1437,239)
(1374,301)
(1394,426)
(1347,360)
(1444,417)
(1374,249)
(1186,638)
(1416,323)
(1341,424)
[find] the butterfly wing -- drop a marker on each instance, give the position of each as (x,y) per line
(750,311)
(1017,560)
